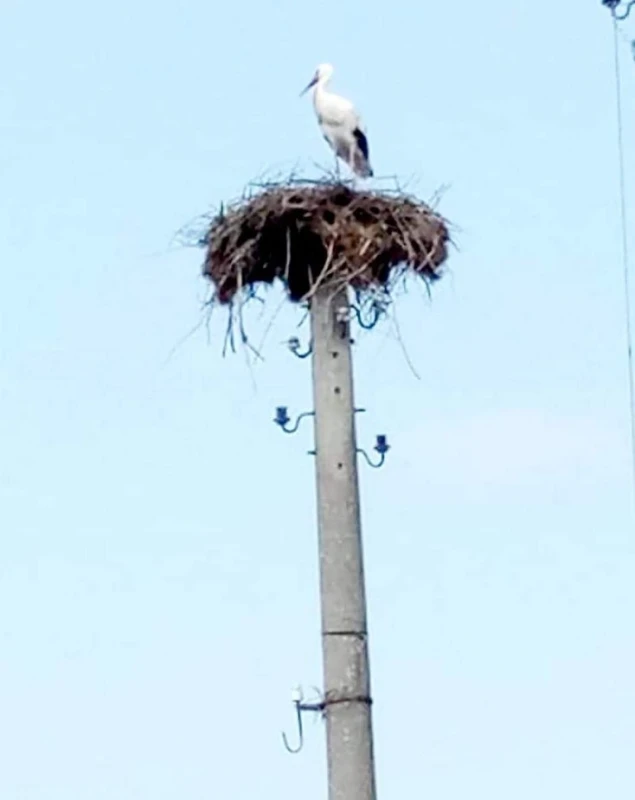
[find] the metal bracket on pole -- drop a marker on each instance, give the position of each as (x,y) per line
(282,419)
(300,707)
(381,447)
(356,410)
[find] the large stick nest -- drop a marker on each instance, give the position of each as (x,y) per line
(323,233)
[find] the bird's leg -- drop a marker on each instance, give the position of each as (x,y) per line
(337,168)
(351,164)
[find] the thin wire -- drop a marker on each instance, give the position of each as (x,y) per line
(625,253)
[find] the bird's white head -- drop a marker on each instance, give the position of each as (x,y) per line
(322,76)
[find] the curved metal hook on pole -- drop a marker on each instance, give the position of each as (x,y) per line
(298,712)
(294,345)
(378,311)
(615,5)
(381,447)
(300,707)
(282,419)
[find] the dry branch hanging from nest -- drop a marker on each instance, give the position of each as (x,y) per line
(322,234)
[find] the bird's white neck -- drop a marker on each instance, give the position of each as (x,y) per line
(320,86)
(320,94)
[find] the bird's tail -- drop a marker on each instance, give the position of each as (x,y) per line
(361,162)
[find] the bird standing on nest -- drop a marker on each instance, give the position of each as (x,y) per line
(340,124)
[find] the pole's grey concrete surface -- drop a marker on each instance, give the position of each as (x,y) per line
(351,770)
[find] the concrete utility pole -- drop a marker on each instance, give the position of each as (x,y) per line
(347,700)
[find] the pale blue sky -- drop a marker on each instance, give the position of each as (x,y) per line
(158,583)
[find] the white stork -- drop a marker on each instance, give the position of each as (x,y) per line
(340,124)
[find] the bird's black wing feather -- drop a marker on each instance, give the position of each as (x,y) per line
(362,142)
